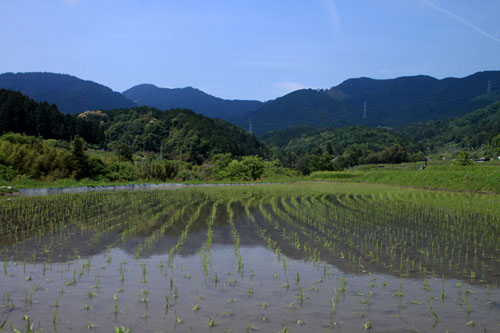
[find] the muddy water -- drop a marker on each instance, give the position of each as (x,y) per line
(75,279)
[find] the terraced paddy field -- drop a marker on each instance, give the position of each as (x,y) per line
(316,257)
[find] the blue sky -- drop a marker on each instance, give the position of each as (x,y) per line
(258,49)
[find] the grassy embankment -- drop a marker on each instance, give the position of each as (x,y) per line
(26,183)
(480,177)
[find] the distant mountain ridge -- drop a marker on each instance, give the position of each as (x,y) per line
(190,98)
(362,101)
(70,94)
(369,102)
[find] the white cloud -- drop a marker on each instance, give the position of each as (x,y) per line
(461,20)
(288,86)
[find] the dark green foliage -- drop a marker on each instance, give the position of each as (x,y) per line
(69,93)
(20,114)
(281,138)
(189,98)
(393,103)
(7,173)
(473,130)
(463,159)
(495,143)
(81,160)
(164,170)
(223,166)
(338,148)
(124,153)
(121,171)
(31,157)
(249,168)
(178,134)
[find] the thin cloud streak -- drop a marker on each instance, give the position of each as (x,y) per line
(461,20)
(334,15)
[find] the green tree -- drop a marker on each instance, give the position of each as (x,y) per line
(254,166)
(80,159)
(463,158)
(495,142)
(124,153)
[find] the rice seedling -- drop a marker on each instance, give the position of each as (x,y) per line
(332,230)
(436,319)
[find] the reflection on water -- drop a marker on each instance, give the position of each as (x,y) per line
(245,260)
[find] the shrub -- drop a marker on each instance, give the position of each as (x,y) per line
(121,171)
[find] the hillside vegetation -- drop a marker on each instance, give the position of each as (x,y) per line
(177,134)
(473,130)
(21,114)
(390,103)
(338,148)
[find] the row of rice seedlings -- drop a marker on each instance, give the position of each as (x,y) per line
(397,239)
(235,235)
(174,214)
(452,229)
(205,251)
(375,236)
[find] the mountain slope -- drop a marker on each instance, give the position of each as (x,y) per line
(21,114)
(369,102)
(189,98)
(472,130)
(338,148)
(69,93)
(177,133)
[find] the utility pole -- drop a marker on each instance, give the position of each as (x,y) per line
(364,110)
(488,90)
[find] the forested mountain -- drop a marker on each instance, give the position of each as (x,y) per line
(336,148)
(69,93)
(369,102)
(281,138)
(21,114)
(189,98)
(470,131)
(177,133)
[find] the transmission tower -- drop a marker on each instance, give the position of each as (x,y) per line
(488,90)
(364,110)
(250,127)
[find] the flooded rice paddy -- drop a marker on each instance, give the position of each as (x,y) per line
(276,258)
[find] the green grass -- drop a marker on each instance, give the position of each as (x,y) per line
(25,182)
(483,177)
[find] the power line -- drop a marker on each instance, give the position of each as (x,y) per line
(471,90)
